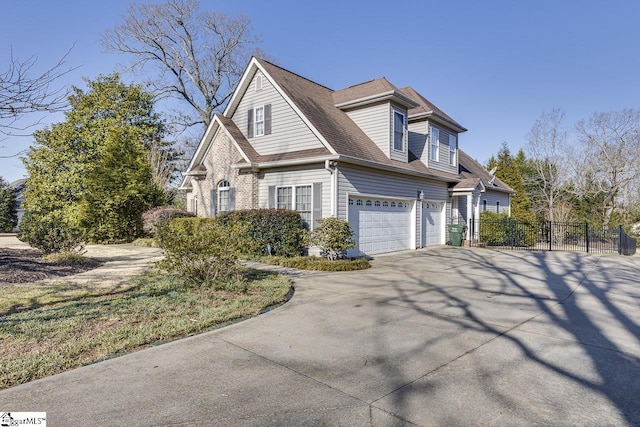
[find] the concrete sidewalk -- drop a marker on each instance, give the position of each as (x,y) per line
(447,336)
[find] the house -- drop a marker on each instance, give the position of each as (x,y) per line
(383,158)
(18,187)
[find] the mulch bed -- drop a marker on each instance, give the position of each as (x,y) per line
(27,265)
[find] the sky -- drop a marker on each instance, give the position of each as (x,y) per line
(494,66)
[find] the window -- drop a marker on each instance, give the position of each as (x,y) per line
(377,203)
(259,121)
(385,204)
(223,196)
(368,203)
(303,203)
(398,131)
(258,81)
(359,202)
(284,197)
(302,195)
(435,144)
(453,143)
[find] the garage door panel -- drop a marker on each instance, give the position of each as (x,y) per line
(380,226)
(432,230)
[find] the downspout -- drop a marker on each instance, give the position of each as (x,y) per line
(333,169)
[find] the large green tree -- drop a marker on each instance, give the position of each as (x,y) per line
(510,169)
(8,215)
(93,169)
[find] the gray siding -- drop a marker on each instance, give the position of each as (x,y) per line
(355,179)
(418,140)
(301,175)
(374,121)
(492,197)
(443,161)
(288,130)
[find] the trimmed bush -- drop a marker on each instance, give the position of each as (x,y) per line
(203,250)
(153,218)
(318,264)
(333,236)
(51,233)
(281,230)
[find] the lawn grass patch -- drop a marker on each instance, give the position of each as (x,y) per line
(316,263)
(47,329)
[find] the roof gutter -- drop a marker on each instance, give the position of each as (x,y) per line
(341,158)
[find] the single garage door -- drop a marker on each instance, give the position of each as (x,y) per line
(432,229)
(380,225)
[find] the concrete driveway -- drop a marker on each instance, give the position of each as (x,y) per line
(446,336)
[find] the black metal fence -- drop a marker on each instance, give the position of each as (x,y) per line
(508,233)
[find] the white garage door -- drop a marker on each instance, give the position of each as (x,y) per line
(432,231)
(380,225)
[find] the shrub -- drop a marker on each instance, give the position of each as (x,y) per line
(51,232)
(153,218)
(281,230)
(203,250)
(320,264)
(333,236)
(502,230)
(68,258)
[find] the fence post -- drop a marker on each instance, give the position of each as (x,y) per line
(586,234)
(620,240)
(550,224)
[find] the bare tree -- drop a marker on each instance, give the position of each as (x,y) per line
(22,92)
(610,155)
(199,55)
(547,148)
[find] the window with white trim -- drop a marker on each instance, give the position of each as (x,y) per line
(398,131)
(298,198)
(223,196)
(303,202)
(453,145)
(284,197)
(259,120)
(435,144)
(258,81)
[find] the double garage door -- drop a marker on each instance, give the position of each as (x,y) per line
(385,225)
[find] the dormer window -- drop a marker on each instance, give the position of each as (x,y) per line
(435,144)
(453,145)
(398,131)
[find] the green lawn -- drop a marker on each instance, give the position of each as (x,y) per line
(47,329)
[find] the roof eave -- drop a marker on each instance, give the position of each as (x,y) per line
(392,95)
(437,118)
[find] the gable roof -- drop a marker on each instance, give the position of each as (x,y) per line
(473,172)
(346,138)
(369,92)
(319,107)
(425,109)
